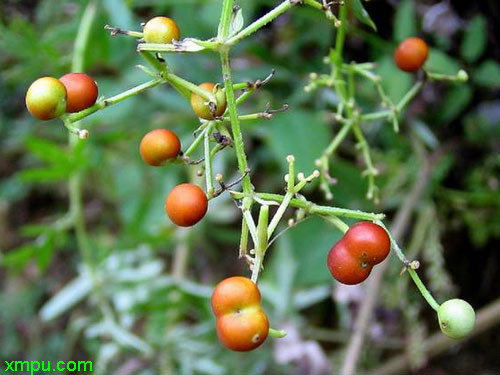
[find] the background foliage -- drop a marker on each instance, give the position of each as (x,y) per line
(49,310)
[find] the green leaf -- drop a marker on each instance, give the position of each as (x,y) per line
(19,257)
(475,39)
(72,293)
(440,62)
(310,242)
(397,83)
(423,132)
(487,74)
(404,21)
(455,102)
(47,150)
(237,22)
(45,251)
(362,15)
(300,133)
(44,174)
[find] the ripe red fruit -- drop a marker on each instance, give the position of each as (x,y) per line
(161,30)
(411,54)
(82,91)
(200,105)
(158,146)
(46,98)
(186,205)
(364,245)
(242,325)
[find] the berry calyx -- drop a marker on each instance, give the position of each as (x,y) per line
(201,106)
(456,318)
(158,146)
(81,89)
(242,324)
(364,245)
(186,205)
(161,30)
(46,98)
(411,54)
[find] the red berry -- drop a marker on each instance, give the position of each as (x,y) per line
(411,54)
(186,205)
(346,268)
(364,245)
(158,146)
(242,324)
(82,91)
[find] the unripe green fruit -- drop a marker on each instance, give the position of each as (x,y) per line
(161,30)
(456,318)
(46,98)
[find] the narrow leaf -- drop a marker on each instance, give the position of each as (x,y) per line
(474,41)
(362,15)
(75,291)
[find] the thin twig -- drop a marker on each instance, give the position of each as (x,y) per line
(398,228)
(437,343)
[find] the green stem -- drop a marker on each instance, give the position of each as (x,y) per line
(315,209)
(178,81)
(339,224)
(413,274)
(370,171)
(376,115)
(225,19)
(251,116)
(101,104)
(340,38)
(410,95)
(262,241)
(337,140)
(244,238)
(247,216)
(196,143)
(423,290)
(83,36)
(208,161)
(184,87)
(314,4)
(239,146)
(276,333)
(279,213)
(76,179)
(261,22)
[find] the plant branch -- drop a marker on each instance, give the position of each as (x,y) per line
(398,229)
(101,104)
(315,209)
(436,344)
(261,22)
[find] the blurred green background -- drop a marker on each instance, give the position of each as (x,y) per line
(157,279)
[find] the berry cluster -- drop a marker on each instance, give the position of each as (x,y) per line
(241,323)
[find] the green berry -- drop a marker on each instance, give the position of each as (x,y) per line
(456,318)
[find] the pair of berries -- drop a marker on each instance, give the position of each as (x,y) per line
(49,97)
(364,245)
(186,204)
